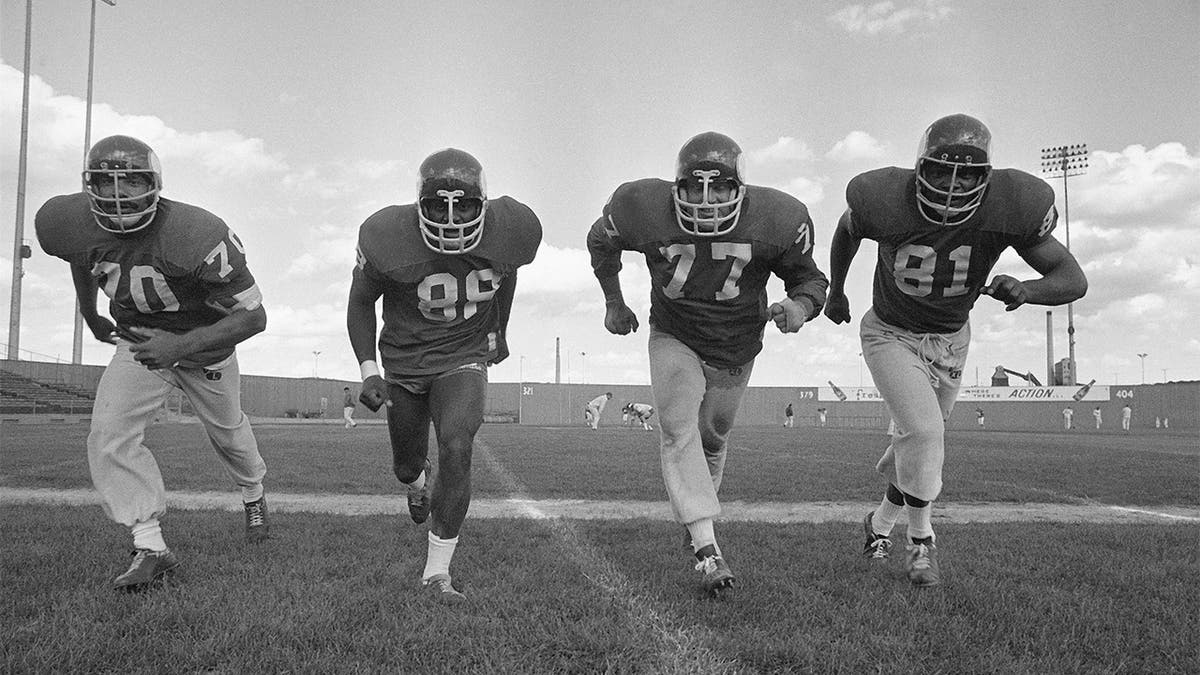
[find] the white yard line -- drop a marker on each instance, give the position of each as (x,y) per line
(681,649)
(592,509)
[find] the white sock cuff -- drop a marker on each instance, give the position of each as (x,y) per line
(252,493)
(148,534)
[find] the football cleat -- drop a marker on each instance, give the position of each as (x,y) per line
(147,567)
(439,586)
(418,498)
(921,564)
(258,529)
(717,576)
(877,546)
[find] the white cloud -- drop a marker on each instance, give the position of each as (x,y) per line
(856,146)
(886,17)
(785,149)
(1136,187)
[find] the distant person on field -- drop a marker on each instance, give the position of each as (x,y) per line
(1096,415)
(446,268)
(182,298)
(595,408)
(1068,413)
(940,228)
(711,242)
(979,417)
(821,415)
(1126,416)
(789,416)
(348,404)
(641,413)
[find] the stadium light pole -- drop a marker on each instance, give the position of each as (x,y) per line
(860,369)
(77,343)
(1065,161)
(1143,356)
(19,248)
(583,367)
(315,355)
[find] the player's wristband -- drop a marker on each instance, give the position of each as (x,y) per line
(369,369)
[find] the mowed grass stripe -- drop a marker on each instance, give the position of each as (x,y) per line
(595,509)
(682,650)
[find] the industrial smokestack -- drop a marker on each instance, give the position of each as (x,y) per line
(1050,348)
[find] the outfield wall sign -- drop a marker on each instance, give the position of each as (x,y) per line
(993,394)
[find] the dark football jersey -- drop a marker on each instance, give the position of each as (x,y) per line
(927,276)
(441,311)
(186,270)
(711,293)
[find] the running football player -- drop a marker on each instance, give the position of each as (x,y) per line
(181,298)
(940,228)
(446,268)
(711,242)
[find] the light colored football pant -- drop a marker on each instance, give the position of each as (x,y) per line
(696,404)
(124,470)
(918,375)
(348,416)
(591,415)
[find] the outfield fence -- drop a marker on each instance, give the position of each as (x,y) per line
(1172,407)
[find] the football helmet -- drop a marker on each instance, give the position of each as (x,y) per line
(451,201)
(953,168)
(120,202)
(711,169)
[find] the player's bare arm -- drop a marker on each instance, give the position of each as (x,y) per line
(504,301)
(1062,279)
(841,252)
(156,348)
(360,324)
(86,288)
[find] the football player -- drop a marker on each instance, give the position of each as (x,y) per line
(711,242)
(181,298)
(940,228)
(446,268)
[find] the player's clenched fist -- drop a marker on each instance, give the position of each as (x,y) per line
(837,307)
(1008,290)
(374,393)
(619,319)
(788,315)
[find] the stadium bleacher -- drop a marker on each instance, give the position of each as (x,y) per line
(19,394)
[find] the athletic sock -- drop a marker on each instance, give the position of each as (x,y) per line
(418,483)
(438,555)
(703,535)
(252,493)
(919,525)
(148,534)
(885,516)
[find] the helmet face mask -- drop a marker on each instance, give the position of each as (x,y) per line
(122,180)
(451,201)
(709,185)
(953,169)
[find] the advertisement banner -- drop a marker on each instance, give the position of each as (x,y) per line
(991,394)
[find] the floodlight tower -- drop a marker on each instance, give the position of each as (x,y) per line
(1066,160)
(77,342)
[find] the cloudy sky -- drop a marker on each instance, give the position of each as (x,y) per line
(294,121)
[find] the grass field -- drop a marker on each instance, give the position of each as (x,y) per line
(337,593)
